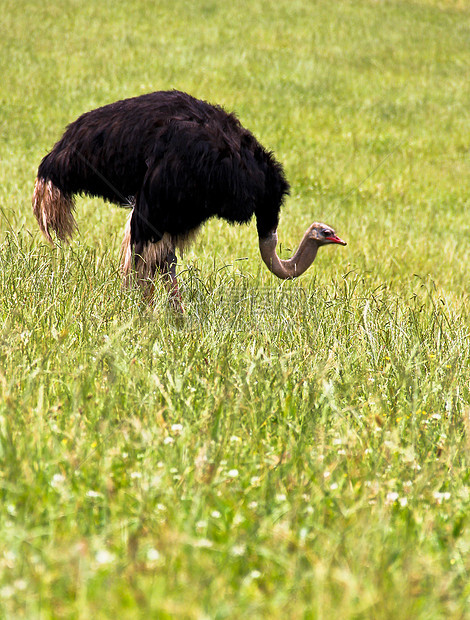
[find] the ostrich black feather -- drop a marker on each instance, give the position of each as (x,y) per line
(179,160)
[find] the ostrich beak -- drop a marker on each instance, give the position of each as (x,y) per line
(336,239)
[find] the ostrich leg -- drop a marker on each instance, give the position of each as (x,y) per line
(148,261)
(159,260)
(168,270)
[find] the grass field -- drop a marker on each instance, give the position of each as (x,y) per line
(294,449)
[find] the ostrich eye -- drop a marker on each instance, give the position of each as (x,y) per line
(327,233)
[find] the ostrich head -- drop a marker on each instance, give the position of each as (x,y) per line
(315,236)
(321,234)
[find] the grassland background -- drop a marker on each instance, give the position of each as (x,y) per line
(287,450)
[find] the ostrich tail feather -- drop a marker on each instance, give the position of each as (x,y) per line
(53,210)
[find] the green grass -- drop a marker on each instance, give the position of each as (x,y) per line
(284,450)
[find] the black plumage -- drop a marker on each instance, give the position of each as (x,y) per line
(179,160)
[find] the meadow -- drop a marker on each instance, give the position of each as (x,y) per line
(294,449)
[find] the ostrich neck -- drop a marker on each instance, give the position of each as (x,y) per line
(293,267)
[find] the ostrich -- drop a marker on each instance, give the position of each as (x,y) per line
(177,161)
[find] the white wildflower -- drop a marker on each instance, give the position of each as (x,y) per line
(156,480)
(440,497)
(238,550)
(232,473)
(168,440)
(153,555)
(104,556)
(20,584)
(10,558)
(57,480)
(7,592)
(204,543)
